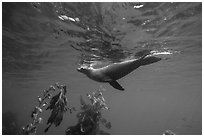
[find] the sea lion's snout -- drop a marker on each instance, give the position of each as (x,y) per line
(79,69)
(82,69)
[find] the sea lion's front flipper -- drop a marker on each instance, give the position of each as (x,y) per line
(116,85)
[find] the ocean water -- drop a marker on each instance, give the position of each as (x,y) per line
(44,43)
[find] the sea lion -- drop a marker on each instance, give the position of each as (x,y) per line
(115,71)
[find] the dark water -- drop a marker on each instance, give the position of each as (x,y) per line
(44,43)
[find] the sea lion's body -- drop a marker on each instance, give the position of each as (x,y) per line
(115,71)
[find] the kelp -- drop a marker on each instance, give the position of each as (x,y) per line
(90,116)
(58,105)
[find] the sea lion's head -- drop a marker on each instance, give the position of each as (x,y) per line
(83,69)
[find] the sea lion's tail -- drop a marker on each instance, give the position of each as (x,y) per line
(153,56)
(147,57)
(142,54)
(149,60)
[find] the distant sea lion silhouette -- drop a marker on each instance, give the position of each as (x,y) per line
(115,71)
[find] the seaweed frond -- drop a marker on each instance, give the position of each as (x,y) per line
(90,117)
(58,105)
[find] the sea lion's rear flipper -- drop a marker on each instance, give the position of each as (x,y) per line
(142,54)
(149,60)
(116,85)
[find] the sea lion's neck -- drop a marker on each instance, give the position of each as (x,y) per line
(88,71)
(95,74)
